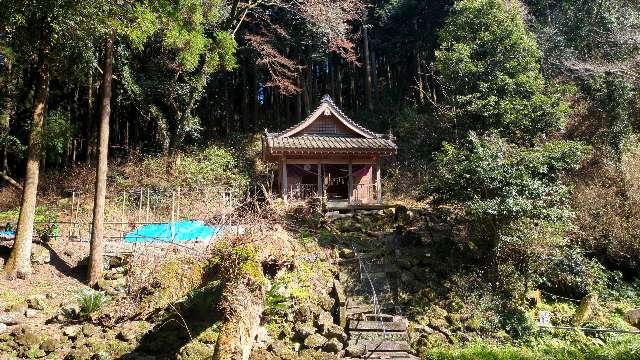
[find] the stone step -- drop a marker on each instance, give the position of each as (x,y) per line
(357,335)
(366,308)
(382,268)
(377,325)
(391,356)
(385,346)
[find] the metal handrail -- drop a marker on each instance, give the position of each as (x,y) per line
(377,309)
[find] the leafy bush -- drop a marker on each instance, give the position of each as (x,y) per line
(498,184)
(58,132)
(517,323)
(91,301)
(568,272)
(489,67)
(213,166)
(277,301)
(607,206)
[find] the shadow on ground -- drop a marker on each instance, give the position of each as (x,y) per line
(182,322)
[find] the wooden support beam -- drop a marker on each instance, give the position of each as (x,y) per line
(378,184)
(285,185)
(320,189)
(350,183)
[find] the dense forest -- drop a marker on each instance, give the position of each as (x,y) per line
(516,121)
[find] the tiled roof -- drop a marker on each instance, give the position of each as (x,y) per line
(341,115)
(362,141)
(312,142)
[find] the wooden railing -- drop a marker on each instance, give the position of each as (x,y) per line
(302,191)
(364,193)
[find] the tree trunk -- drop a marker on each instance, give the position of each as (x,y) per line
(19,262)
(367,68)
(374,72)
(5,116)
(97,232)
(89,122)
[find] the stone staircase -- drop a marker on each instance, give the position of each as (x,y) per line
(371,327)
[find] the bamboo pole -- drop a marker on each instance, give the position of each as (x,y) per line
(122,215)
(72,225)
(178,205)
(140,207)
(147,217)
(75,220)
(173,219)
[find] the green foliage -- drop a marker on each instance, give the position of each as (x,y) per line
(45,221)
(613,100)
(593,45)
(489,68)
(628,349)
(517,323)
(58,133)
(213,165)
(277,302)
(91,301)
(497,181)
(238,262)
(568,272)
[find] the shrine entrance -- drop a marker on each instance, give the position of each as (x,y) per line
(336,180)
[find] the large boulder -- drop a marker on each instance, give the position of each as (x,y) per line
(71,331)
(332,346)
(633,317)
(11,318)
(338,293)
(324,320)
(356,350)
(584,311)
(315,341)
(334,331)
(304,330)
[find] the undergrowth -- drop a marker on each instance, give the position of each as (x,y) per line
(626,349)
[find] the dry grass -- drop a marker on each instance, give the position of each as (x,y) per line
(607,206)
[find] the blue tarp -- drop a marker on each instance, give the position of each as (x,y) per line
(7,234)
(184,230)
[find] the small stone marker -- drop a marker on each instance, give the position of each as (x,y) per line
(545,318)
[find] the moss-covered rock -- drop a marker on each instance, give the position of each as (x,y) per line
(196,350)
(333,346)
(315,341)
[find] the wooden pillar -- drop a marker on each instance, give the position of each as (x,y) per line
(285,184)
(378,184)
(350,182)
(320,189)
